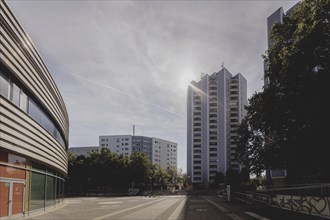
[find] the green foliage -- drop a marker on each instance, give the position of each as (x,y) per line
(219,178)
(287,124)
(106,171)
(140,167)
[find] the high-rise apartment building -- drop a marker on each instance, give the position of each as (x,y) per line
(159,151)
(215,108)
(83,151)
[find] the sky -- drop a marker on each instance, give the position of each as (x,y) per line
(124,63)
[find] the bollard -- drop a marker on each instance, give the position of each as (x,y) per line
(228,193)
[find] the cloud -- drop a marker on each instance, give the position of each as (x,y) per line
(123,63)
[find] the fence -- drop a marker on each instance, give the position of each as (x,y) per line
(312,199)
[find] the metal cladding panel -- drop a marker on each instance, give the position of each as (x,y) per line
(190,147)
(223,78)
(21,134)
(18,131)
(205,128)
(19,54)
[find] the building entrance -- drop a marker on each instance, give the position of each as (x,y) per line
(12,197)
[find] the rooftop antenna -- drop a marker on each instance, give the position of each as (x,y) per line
(202,74)
(133,130)
(222,64)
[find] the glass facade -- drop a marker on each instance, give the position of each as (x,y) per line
(11,90)
(33,125)
(46,185)
(37,194)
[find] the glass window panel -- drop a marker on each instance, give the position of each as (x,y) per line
(15,94)
(37,197)
(39,167)
(50,192)
(62,189)
(12,172)
(58,190)
(47,123)
(4,85)
(34,111)
(16,160)
(23,102)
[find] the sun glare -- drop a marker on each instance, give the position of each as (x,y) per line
(186,77)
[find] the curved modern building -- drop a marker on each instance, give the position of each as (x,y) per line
(33,125)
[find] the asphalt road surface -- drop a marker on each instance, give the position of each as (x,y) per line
(163,207)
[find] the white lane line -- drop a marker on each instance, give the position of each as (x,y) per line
(89,198)
(72,201)
(250,203)
(108,203)
(177,211)
(125,210)
(257,216)
(223,209)
(153,211)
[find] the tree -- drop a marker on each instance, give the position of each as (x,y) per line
(287,124)
(160,176)
(140,168)
(219,178)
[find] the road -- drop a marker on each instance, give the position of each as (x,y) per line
(162,207)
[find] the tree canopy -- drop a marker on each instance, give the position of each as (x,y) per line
(106,171)
(287,124)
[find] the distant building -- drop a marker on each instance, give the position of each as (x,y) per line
(85,151)
(215,108)
(159,151)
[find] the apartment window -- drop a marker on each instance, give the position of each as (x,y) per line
(15,94)
(126,144)
(23,101)
(4,85)
(126,139)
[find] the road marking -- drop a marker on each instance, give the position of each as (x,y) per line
(223,209)
(72,201)
(125,210)
(257,216)
(90,198)
(177,211)
(242,200)
(108,203)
